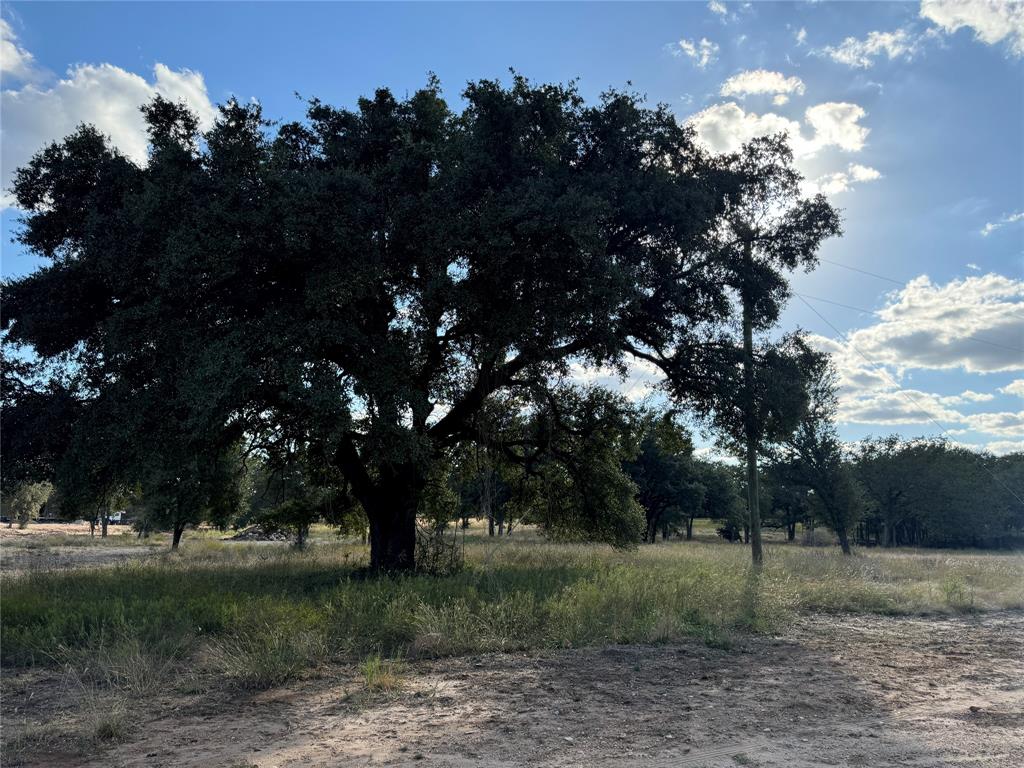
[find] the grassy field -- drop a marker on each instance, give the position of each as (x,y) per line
(260,614)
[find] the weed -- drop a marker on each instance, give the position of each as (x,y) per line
(382,676)
(266,654)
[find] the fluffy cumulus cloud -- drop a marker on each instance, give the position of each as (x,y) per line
(1015,387)
(101,94)
(974,324)
(841,181)
(702,51)
(992,21)
(968,396)
(1003,447)
(1010,218)
(762,81)
(862,53)
(837,124)
(716,7)
(15,62)
(1005,424)
(726,127)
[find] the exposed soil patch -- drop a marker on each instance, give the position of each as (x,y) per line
(14,559)
(831,691)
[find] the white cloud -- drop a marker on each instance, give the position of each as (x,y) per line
(926,326)
(856,375)
(1003,447)
(975,324)
(973,267)
(967,396)
(841,181)
(1015,387)
(15,62)
(903,406)
(716,7)
(101,94)
(726,127)
(837,123)
(992,226)
(992,21)
(801,36)
(1003,424)
(641,378)
(703,51)
(757,81)
(862,53)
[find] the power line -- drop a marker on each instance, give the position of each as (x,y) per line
(878,314)
(877,367)
(864,272)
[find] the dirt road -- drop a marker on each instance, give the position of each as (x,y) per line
(867,691)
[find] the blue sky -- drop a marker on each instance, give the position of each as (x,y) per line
(910,116)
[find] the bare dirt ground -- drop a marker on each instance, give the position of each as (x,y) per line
(850,691)
(60,558)
(57,546)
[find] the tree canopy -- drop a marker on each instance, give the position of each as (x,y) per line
(365,280)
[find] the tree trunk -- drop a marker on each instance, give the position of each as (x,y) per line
(300,536)
(844,539)
(179,528)
(391,501)
(753,502)
(392,509)
(104,522)
(689,529)
(791,532)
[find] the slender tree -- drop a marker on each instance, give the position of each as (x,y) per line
(765,231)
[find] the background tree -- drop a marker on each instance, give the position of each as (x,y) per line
(348,274)
(24,503)
(788,502)
(896,476)
(572,450)
(925,492)
(813,457)
(668,489)
(723,498)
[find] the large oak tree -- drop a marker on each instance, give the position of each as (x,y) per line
(364,281)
